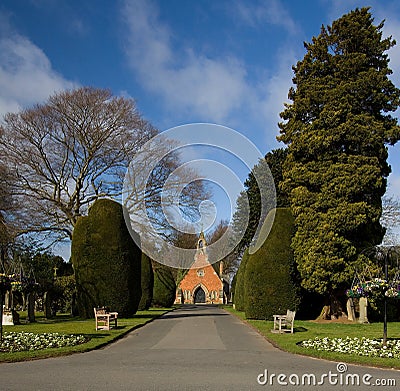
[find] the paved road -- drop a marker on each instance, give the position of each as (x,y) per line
(194,348)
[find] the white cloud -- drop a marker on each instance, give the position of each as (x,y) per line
(26,74)
(208,87)
(267,11)
(212,89)
(275,92)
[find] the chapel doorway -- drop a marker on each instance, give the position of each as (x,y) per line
(199,295)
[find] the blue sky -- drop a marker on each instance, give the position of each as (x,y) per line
(183,61)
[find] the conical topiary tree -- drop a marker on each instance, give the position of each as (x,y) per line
(106,260)
(269,280)
(147,283)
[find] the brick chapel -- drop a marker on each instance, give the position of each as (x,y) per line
(202,284)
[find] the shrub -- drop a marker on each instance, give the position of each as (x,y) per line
(147,283)
(239,287)
(106,260)
(269,281)
(64,291)
(164,290)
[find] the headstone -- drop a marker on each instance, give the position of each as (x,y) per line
(351,315)
(7,317)
(363,303)
(31,306)
(47,305)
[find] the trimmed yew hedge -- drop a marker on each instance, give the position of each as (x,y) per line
(164,290)
(270,285)
(106,260)
(147,283)
(239,293)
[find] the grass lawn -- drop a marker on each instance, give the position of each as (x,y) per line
(310,329)
(65,324)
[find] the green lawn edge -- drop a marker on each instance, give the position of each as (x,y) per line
(69,325)
(308,329)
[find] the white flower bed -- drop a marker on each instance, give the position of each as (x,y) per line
(16,342)
(359,346)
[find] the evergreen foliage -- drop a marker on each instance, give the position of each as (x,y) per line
(275,160)
(63,294)
(337,129)
(147,283)
(106,261)
(164,290)
(239,292)
(270,285)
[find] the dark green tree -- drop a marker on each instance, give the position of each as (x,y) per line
(106,260)
(63,294)
(239,293)
(270,279)
(164,289)
(275,160)
(337,129)
(147,283)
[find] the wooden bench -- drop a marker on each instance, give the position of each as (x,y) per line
(104,318)
(284,323)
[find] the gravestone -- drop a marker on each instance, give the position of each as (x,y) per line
(7,317)
(351,315)
(31,306)
(363,303)
(7,300)
(47,305)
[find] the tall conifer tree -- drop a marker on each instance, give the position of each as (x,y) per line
(337,129)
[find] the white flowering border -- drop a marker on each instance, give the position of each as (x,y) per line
(23,341)
(358,346)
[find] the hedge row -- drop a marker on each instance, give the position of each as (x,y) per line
(164,289)
(266,282)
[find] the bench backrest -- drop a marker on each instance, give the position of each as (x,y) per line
(100,311)
(290,315)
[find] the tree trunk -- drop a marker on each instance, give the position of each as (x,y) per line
(24,301)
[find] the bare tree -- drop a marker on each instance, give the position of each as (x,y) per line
(7,215)
(163,196)
(390,219)
(67,152)
(230,261)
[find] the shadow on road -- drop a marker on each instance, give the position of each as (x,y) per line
(189,311)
